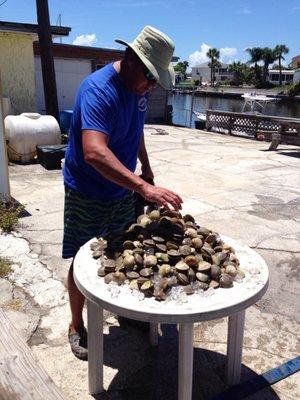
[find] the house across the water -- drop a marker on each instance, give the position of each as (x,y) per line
(286,76)
(202,73)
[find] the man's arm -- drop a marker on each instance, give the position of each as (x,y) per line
(144,159)
(100,157)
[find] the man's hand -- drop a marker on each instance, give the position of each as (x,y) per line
(161,196)
(100,157)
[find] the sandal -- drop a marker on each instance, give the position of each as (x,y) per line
(78,343)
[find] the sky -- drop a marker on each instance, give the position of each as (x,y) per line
(194,25)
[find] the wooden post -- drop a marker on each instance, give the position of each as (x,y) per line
(231,120)
(192,106)
(207,127)
(4,181)
(22,376)
(45,40)
(256,127)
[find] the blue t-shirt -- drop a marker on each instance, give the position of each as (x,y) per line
(104,104)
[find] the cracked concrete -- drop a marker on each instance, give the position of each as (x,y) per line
(233,186)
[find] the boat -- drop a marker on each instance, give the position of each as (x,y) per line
(200,116)
(256,103)
(200,123)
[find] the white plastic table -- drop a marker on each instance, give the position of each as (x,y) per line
(230,302)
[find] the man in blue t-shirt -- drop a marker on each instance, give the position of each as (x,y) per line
(106,138)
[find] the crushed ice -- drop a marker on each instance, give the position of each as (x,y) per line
(113,289)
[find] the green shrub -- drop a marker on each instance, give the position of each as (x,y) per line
(294,89)
(225,82)
(5,268)
(9,212)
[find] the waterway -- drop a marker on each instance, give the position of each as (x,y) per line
(182,107)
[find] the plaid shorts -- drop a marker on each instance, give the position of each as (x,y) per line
(86,218)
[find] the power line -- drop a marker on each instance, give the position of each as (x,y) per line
(3,2)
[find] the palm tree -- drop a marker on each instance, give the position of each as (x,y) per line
(217,65)
(279,50)
(248,74)
(256,56)
(213,55)
(213,65)
(237,68)
(268,57)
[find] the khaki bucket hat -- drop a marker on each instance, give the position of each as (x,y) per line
(155,50)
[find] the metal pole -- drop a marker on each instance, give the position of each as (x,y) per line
(45,40)
(60,38)
(192,106)
(4,181)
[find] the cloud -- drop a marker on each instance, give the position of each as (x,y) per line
(199,57)
(227,55)
(85,40)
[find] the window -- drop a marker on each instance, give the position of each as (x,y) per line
(274,77)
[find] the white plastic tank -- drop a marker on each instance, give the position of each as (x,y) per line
(26,131)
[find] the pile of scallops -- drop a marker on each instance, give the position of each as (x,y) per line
(165,249)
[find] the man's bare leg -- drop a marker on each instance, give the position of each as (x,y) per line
(77,333)
(76,303)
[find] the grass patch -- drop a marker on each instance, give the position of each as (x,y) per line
(185,84)
(9,212)
(5,267)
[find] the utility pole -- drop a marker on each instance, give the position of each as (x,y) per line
(45,40)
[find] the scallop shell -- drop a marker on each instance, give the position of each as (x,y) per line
(226,281)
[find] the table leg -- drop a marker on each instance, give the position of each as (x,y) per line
(153,334)
(235,347)
(185,361)
(95,346)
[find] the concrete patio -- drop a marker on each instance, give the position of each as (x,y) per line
(231,185)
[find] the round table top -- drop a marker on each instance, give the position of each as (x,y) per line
(195,308)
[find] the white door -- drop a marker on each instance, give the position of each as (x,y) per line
(69,74)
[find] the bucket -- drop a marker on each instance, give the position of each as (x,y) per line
(65,117)
(200,124)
